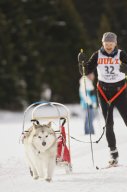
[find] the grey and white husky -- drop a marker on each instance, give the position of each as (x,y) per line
(40,149)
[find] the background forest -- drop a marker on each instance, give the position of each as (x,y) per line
(39,43)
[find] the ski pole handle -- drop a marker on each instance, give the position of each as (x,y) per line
(81,57)
(81,61)
(81,50)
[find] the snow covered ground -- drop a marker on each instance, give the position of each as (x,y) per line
(14,174)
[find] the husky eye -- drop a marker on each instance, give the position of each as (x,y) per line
(46,136)
(39,137)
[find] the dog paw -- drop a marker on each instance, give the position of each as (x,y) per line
(48,179)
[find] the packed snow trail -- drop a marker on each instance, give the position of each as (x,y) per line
(14,173)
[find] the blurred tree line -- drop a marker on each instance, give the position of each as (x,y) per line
(40,40)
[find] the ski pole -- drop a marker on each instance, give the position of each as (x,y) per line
(84,78)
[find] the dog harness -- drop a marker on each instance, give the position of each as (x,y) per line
(114,97)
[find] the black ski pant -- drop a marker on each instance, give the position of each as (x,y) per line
(120,103)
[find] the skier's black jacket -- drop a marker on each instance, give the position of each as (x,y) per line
(91,65)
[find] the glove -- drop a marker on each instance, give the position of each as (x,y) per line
(80,68)
(81,61)
(123,68)
(81,58)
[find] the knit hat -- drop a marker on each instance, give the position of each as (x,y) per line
(109,37)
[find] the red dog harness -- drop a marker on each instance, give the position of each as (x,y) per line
(114,97)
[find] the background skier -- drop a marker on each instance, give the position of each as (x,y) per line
(88,102)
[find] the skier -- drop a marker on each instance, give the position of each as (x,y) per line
(111,65)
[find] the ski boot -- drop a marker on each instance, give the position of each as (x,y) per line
(114,157)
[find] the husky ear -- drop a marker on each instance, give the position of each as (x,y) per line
(49,124)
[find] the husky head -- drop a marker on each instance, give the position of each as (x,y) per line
(43,137)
